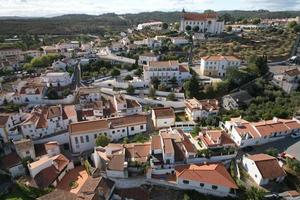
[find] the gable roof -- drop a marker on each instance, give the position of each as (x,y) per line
(214,174)
(164,112)
(267,165)
(199,16)
(220,58)
(11,160)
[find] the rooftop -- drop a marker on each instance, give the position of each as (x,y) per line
(162,113)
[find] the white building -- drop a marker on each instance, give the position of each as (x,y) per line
(263,168)
(288,80)
(86,95)
(149,42)
(163,117)
(49,170)
(245,133)
(12,163)
(216,66)
(59,65)
(151,25)
(125,106)
(8,126)
(206,22)
(211,179)
(25,148)
(145,58)
(11,53)
(112,160)
(199,109)
(45,121)
(57,79)
(83,134)
(179,40)
(166,70)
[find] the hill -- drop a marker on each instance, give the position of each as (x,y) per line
(98,24)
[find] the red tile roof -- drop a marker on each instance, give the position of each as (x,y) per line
(11,160)
(199,17)
(268,166)
(214,174)
(220,58)
(162,113)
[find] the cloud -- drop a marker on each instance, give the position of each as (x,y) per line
(59,7)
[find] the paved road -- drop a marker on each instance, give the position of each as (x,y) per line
(282,145)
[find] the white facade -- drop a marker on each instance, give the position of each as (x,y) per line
(207,23)
(57,79)
(59,65)
(166,70)
(151,25)
(252,169)
(179,40)
(145,59)
(217,66)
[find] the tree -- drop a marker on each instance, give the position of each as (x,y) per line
(297,28)
(195,131)
(173,80)
(255,194)
(138,72)
(128,78)
(292,24)
(162,87)
(102,141)
(165,26)
(115,72)
(256,21)
(272,151)
(130,90)
(52,93)
(188,28)
(244,21)
(152,92)
(155,82)
(171,96)
(191,87)
(209,11)
(228,28)
(196,29)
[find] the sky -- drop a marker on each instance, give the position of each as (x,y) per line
(48,8)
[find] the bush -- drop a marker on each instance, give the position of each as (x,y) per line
(102,141)
(272,152)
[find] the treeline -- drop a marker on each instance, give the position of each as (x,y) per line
(99,24)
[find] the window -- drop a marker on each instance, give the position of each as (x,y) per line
(142,127)
(87,138)
(123,130)
(113,132)
(76,140)
(201,184)
(214,187)
(132,128)
(81,139)
(95,136)
(185,181)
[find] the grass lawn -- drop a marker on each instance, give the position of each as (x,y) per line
(22,192)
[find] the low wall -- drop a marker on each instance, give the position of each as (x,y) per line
(62,138)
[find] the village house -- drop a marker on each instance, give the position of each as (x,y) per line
(263,168)
(201,109)
(179,40)
(125,106)
(11,53)
(49,169)
(213,139)
(8,126)
(288,80)
(236,100)
(245,133)
(217,66)
(57,79)
(163,117)
(59,65)
(171,146)
(166,70)
(206,22)
(149,42)
(92,110)
(211,179)
(44,121)
(145,58)
(151,25)
(25,149)
(83,134)
(89,94)
(29,93)
(12,163)
(111,159)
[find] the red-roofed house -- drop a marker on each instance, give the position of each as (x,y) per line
(263,168)
(199,109)
(211,179)
(216,66)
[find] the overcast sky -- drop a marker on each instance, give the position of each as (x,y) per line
(43,8)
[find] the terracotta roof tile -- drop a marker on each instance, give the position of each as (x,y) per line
(156,142)
(162,113)
(268,166)
(199,17)
(11,160)
(215,174)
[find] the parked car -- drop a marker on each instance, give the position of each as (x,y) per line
(295,135)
